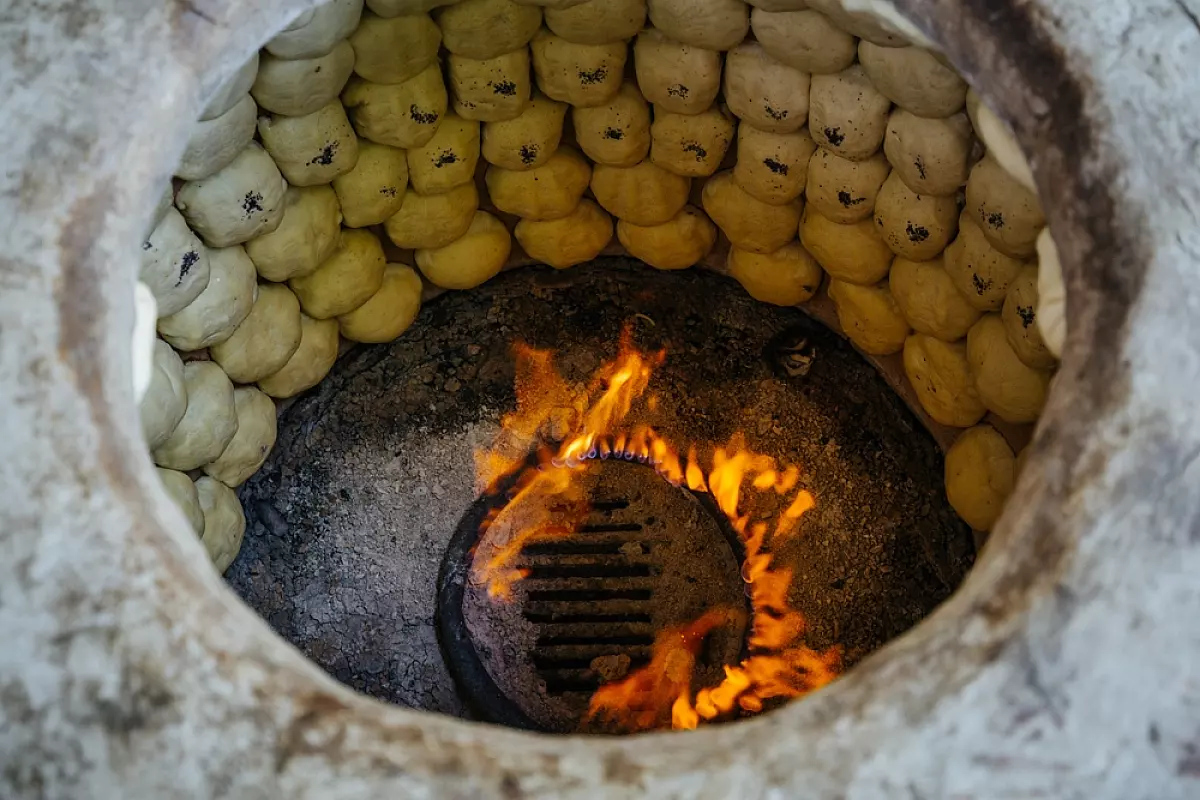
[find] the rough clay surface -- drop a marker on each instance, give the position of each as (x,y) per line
(351,513)
(1065,666)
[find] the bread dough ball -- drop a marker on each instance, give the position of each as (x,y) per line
(265,340)
(616,133)
(241,201)
(690,145)
(392,50)
(913,79)
(580,74)
(1019,316)
(773,167)
(551,191)
(207,425)
(804,39)
(940,376)
(749,223)
(527,140)
(679,243)
(255,437)
(929,301)
(785,277)
(470,260)
(598,21)
(224,521)
(676,77)
(999,141)
(915,226)
(141,349)
(165,400)
(763,92)
(330,23)
(344,281)
(312,149)
(569,240)
(182,491)
(981,273)
(980,473)
(400,115)
(389,312)
(931,156)
(862,24)
(870,316)
(426,222)
(374,190)
(306,236)
(486,28)
(298,87)
(711,24)
(220,308)
(1008,214)
(854,253)
(1011,390)
(230,93)
(846,114)
(396,8)
(174,264)
(1052,299)
(216,142)
(448,159)
(310,363)
(842,190)
(492,89)
(644,194)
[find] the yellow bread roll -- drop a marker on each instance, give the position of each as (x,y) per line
(265,339)
(448,159)
(941,378)
(490,89)
(927,298)
(615,133)
(854,253)
(915,226)
(394,49)
(1020,317)
(981,273)
(207,425)
(389,312)
(527,140)
(1011,390)
(569,240)
(748,223)
(345,280)
(476,256)
(550,191)
(844,191)
(580,74)
(786,277)
(1008,214)
(980,473)
(312,149)
(712,24)
(182,491)
(306,236)
(255,437)
(773,167)
(597,21)
(429,221)
(692,145)
(674,76)
(310,363)
(869,316)
(224,522)
(374,190)
(676,244)
(644,194)
(401,115)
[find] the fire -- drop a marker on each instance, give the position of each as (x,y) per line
(762,500)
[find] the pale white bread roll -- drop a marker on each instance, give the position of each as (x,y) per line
(224,522)
(492,89)
(598,21)
(1009,215)
(252,443)
(981,273)
(475,257)
(854,253)
(230,93)
(691,145)
(844,191)
(674,76)
(165,400)
(394,49)
(940,375)
(448,159)
(265,339)
(579,74)
(846,114)
(773,167)
(998,138)
(931,156)
(344,281)
(764,92)
(216,142)
(145,313)
(616,133)
(207,425)
(182,491)
(870,316)
(527,140)
(644,194)
(867,26)
(241,201)
(748,223)
(678,243)
(551,191)
(712,24)
(174,264)
(310,363)
(574,239)
(301,86)
(400,115)
(1052,298)
(915,226)
(929,301)
(220,308)
(980,473)
(312,149)
(435,220)
(330,23)
(306,236)
(486,28)
(913,79)
(806,40)
(1011,390)
(389,312)
(785,277)
(374,190)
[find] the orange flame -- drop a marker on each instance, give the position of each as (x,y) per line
(761,498)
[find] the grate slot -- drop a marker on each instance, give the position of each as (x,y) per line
(581,656)
(544,615)
(596,595)
(611,640)
(609,527)
(610,505)
(560,571)
(572,547)
(596,630)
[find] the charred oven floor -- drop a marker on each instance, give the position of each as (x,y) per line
(350,516)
